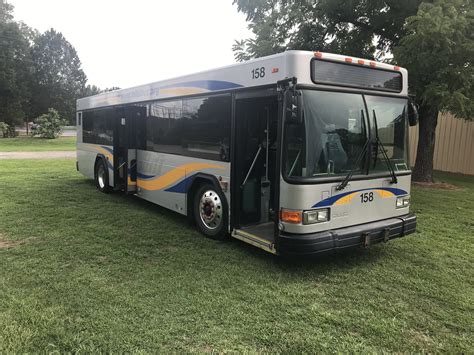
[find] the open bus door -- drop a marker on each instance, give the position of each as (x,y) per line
(125,147)
(121,152)
(254,168)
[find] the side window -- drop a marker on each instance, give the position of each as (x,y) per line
(207,127)
(197,127)
(98,127)
(88,127)
(110,116)
(163,127)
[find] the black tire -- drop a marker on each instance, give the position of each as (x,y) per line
(210,212)
(101,176)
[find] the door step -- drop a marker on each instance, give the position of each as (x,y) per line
(254,240)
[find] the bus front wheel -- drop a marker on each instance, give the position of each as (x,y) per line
(101,174)
(210,212)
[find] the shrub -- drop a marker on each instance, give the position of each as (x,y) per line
(12,132)
(4,129)
(49,125)
(7,131)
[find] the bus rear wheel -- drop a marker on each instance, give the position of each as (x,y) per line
(210,212)
(101,175)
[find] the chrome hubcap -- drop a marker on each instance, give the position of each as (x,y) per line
(101,176)
(210,209)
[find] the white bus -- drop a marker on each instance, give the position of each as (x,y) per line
(295,153)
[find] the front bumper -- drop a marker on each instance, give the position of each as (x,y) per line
(349,237)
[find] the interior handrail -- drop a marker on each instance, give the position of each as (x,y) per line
(251,166)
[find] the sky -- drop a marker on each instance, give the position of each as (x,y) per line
(127,43)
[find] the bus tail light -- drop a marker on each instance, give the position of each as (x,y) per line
(316,216)
(291,216)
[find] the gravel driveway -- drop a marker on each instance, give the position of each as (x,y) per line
(37,155)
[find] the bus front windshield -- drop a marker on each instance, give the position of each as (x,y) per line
(333,138)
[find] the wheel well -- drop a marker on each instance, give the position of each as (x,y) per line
(197,182)
(98,158)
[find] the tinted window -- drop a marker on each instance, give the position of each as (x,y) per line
(98,127)
(198,127)
(163,126)
(324,72)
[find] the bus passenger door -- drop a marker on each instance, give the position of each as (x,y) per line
(256,120)
(131,140)
(121,151)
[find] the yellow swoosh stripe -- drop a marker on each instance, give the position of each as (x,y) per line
(174,175)
(107,154)
(101,150)
(182,91)
(348,198)
(385,193)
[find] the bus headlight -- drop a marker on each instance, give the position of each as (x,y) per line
(315,216)
(403,201)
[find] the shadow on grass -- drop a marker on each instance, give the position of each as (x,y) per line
(341,260)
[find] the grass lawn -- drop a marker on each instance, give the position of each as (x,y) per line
(35,144)
(92,272)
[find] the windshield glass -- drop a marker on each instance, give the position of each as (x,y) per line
(331,139)
(392,127)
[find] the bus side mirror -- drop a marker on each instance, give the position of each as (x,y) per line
(412,113)
(294,107)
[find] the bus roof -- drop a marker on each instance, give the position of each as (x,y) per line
(253,73)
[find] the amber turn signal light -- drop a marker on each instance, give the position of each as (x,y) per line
(291,216)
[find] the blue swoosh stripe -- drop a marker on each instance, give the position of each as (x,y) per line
(110,150)
(182,186)
(331,200)
(211,85)
(144,176)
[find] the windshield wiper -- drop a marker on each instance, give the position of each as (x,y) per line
(384,152)
(346,180)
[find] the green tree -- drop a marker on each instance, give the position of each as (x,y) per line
(364,28)
(90,90)
(49,125)
(6,12)
(376,29)
(59,78)
(438,52)
(15,68)
(113,88)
